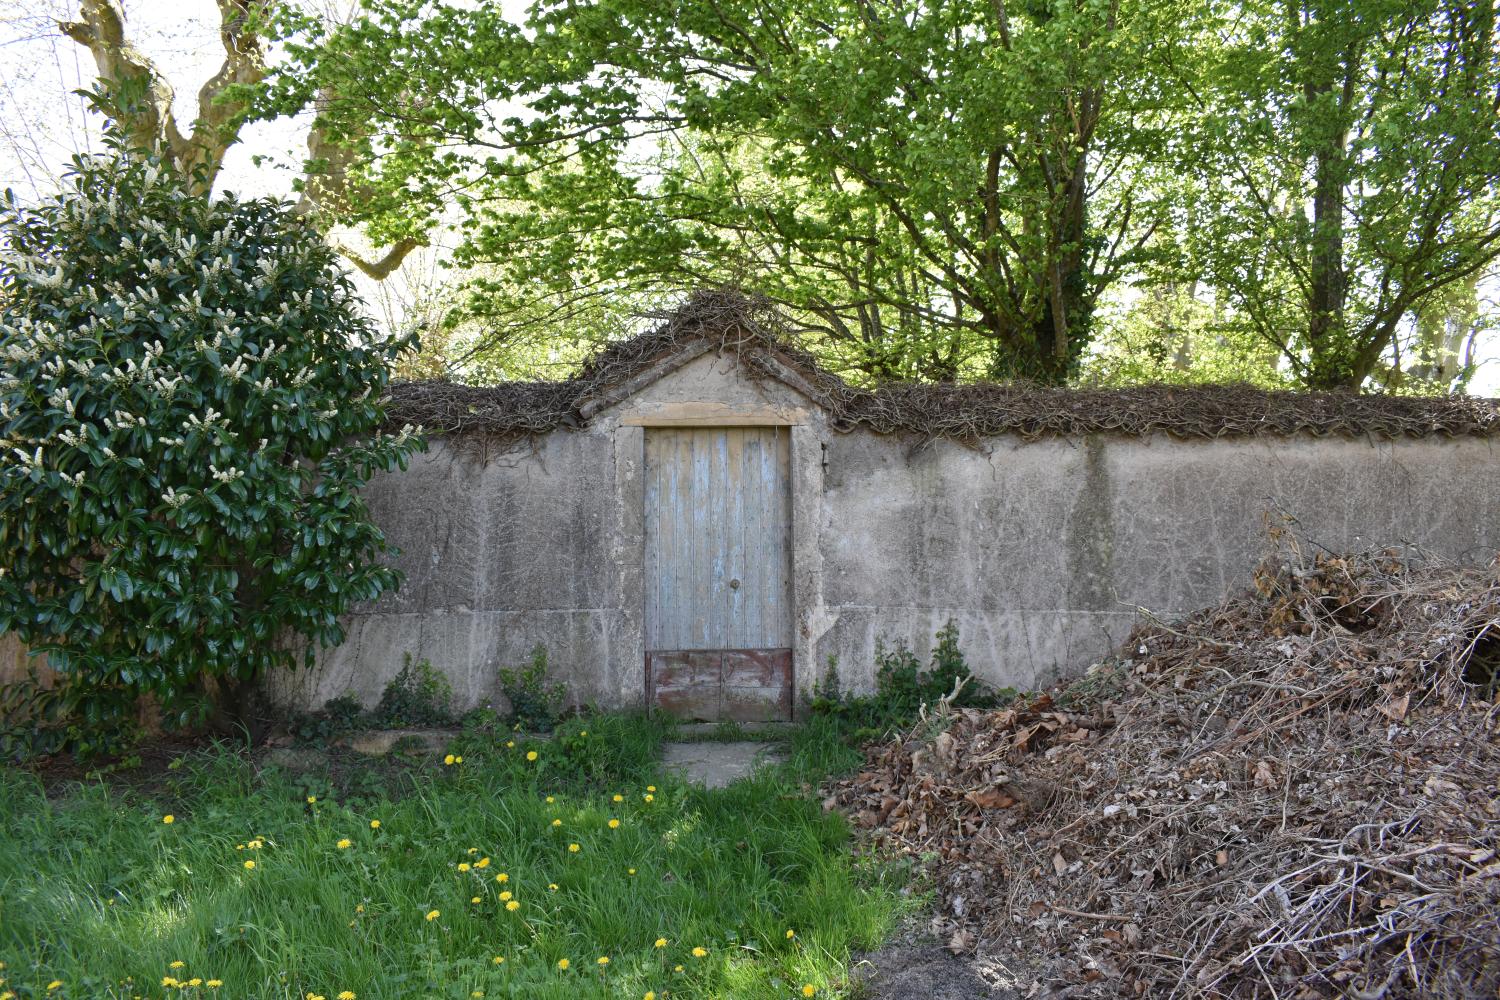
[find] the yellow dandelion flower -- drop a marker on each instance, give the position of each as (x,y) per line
(790,933)
(344,844)
(459,759)
(573,848)
(168,981)
(312,800)
(53,985)
(808,989)
(584,733)
(676,968)
(256,844)
(509,744)
(176,965)
(463,866)
(472,850)
(650,995)
(195,981)
(505,895)
(562,963)
(650,788)
(434,914)
(498,960)
(214,984)
(550,800)
(476,993)
(630,871)
(661,942)
(249,865)
(614,824)
(557,822)
(346,995)
(482,863)
(602,960)
(502,878)
(475,900)
(512,906)
(448,760)
(374,824)
(359,907)
(650,798)
(552,886)
(169,819)
(531,755)
(699,952)
(617,797)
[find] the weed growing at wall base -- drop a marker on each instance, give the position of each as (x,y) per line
(903,686)
(464,886)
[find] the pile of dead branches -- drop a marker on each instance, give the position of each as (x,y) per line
(1295,794)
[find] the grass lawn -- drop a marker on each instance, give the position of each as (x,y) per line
(582,872)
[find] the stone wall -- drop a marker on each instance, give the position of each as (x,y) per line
(1040,550)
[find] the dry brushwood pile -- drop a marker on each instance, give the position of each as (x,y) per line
(1291,795)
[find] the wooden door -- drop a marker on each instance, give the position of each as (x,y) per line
(718,573)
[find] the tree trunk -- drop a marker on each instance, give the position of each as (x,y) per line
(1331,364)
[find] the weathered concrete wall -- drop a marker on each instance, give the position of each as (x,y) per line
(1038,550)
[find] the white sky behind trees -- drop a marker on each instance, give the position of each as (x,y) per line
(43,123)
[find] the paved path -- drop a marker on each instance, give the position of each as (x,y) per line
(714,764)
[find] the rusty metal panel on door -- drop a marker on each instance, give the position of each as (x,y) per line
(718,517)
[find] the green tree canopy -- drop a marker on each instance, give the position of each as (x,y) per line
(1350,156)
(934,186)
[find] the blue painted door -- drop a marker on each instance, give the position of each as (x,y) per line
(718,570)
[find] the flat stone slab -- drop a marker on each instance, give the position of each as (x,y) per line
(379,742)
(714,765)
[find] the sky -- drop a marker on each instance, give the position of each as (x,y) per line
(43,124)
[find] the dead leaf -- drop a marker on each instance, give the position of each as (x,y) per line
(991,798)
(1059,863)
(1395,709)
(961,943)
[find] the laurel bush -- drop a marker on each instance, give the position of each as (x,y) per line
(191,399)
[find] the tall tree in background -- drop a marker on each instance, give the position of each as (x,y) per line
(923,180)
(1352,153)
(136,96)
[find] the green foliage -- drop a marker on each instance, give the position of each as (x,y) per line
(327,725)
(903,686)
(535,704)
(941,191)
(190,402)
(418,695)
(98,889)
(936,190)
(38,719)
(1349,155)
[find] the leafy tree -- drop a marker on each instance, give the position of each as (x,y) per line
(1351,152)
(190,401)
(936,187)
(143,107)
